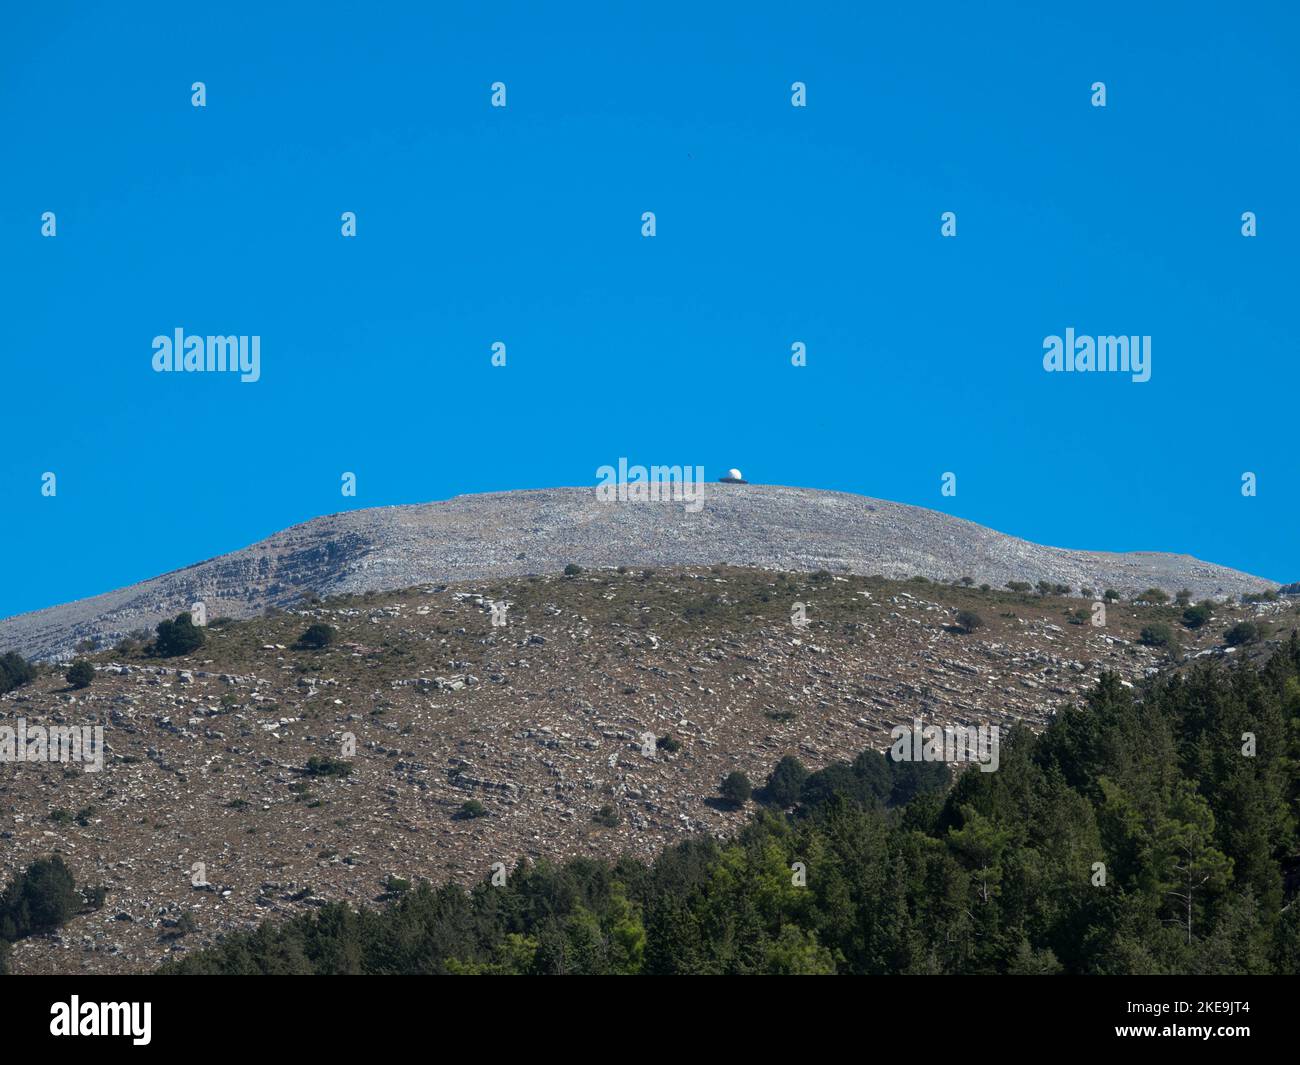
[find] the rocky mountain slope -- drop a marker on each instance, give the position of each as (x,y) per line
(510,533)
(541,720)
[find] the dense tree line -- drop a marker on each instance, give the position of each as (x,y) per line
(1151,834)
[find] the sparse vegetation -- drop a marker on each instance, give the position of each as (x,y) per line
(968,621)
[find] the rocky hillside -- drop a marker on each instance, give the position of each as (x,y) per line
(511,533)
(237,755)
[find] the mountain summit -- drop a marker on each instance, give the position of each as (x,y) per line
(513,533)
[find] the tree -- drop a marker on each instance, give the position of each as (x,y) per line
(81,674)
(1196,616)
(572,569)
(1155,635)
(40,899)
(1241,633)
(15,671)
(736,788)
(785,782)
(178,637)
(1186,860)
(1110,595)
(317,637)
(968,621)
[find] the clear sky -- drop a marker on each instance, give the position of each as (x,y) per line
(522,224)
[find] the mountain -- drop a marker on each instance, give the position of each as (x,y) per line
(514,533)
(299,776)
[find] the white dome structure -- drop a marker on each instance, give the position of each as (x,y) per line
(733,477)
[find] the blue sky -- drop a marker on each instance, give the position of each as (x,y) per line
(523,225)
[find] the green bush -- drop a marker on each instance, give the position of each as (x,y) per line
(317,637)
(1196,616)
(968,621)
(81,674)
(1243,632)
(471,809)
(736,788)
(1156,636)
(607,816)
(318,766)
(178,637)
(15,671)
(40,899)
(785,782)
(572,569)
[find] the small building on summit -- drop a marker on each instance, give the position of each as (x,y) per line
(732,477)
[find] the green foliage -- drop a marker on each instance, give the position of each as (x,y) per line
(1196,616)
(1154,595)
(736,788)
(81,674)
(572,569)
(1243,632)
(317,637)
(608,816)
(968,621)
(40,899)
(786,782)
(15,671)
(471,809)
(325,766)
(1156,635)
(908,873)
(178,637)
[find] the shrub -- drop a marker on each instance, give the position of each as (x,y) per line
(1156,636)
(736,788)
(1154,595)
(40,899)
(471,809)
(668,743)
(968,621)
(1243,632)
(1184,597)
(607,816)
(1110,595)
(15,671)
(178,637)
(1020,586)
(318,766)
(785,782)
(1196,616)
(572,569)
(317,637)
(81,674)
